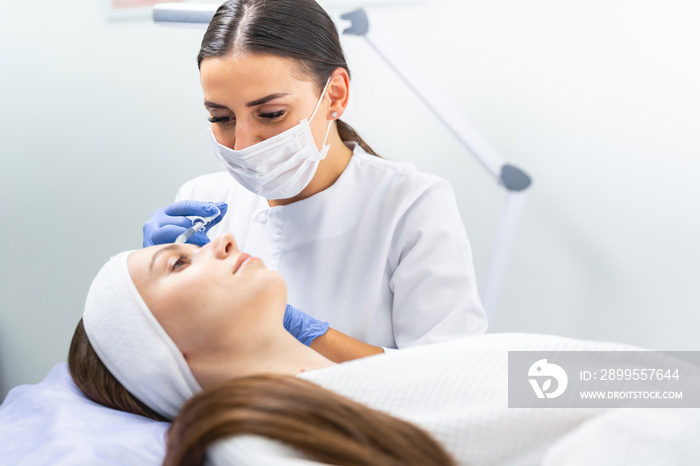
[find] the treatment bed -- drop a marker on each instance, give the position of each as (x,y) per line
(54,423)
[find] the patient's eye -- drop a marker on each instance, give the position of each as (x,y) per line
(179,263)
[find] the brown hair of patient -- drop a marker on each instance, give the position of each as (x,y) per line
(324,425)
(95,380)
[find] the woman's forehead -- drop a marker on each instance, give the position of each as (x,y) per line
(250,75)
(141,261)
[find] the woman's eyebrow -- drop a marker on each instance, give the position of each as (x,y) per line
(252,103)
(265,99)
(214,105)
(158,252)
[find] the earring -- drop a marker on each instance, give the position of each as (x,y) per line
(334,114)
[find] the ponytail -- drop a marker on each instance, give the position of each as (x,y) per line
(326,426)
(347,133)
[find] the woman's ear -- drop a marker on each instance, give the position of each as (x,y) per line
(339,92)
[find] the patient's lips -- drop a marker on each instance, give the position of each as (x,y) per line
(242,260)
(242,257)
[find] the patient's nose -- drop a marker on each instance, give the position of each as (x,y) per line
(224,245)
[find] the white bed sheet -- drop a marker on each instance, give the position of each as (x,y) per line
(458,392)
(54,423)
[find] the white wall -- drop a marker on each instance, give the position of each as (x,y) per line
(599,101)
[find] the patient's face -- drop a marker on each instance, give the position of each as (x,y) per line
(201,294)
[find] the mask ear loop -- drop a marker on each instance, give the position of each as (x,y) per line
(328,130)
(320,99)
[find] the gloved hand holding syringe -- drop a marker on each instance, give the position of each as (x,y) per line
(197,224)
(191,218)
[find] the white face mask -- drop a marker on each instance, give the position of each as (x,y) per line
(278,167)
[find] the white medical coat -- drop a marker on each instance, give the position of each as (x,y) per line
(382,254)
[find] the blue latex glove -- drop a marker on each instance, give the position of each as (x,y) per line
(167,223)
(302,326)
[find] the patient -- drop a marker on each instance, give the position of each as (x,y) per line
(164,323)
(161,322)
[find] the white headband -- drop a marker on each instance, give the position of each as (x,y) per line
(132,344)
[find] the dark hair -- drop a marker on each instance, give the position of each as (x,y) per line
(324,425)
(296,29)
(97,382)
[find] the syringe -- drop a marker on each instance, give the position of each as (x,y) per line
(197,224)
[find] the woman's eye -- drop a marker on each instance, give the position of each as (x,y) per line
(179,262)
(272,115)
(222,119)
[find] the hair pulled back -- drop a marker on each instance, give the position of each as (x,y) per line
(300,30)
(94,379)
(326,426)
